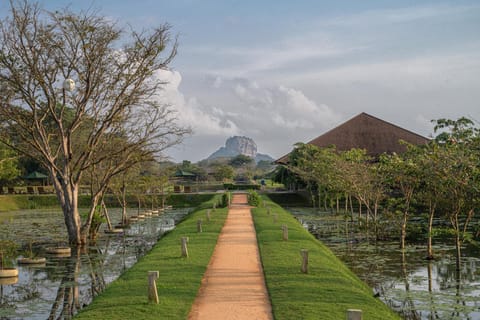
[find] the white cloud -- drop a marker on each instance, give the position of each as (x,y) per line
(276,117)
(191,113)
(413,73)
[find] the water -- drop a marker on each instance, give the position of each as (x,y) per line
(411,285)
(62,286)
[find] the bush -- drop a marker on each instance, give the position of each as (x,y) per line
(231,186)
(253,198)
(226,198)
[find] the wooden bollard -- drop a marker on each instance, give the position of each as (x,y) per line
(304,253)
(199,226)
(285,232)
(214,207)
(275,218)
(152,286)
(184,247)
(269,211)
(208,214)
(354,314)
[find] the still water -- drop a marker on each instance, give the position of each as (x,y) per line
(63,285)
(411,285)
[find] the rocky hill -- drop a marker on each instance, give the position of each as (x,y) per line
(240,145)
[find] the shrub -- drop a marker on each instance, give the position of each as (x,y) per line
(226,198)
(253,198)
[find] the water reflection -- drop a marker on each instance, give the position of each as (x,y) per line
(65,284)
(415,287)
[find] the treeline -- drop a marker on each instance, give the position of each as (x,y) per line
(441,178)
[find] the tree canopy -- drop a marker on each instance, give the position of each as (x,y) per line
(78,92)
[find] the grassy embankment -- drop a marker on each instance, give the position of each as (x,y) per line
(329,288)
(24,201)
(180,278)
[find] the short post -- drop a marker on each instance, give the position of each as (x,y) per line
(285,232)
(184,247)
(208,215)
(199,226)
(354,314)
(275,218)
(304,253)
(269,211)
(214,207)
(152,286)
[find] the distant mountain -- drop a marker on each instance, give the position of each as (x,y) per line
(240,145)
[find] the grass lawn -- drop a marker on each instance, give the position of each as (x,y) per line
(180,278)
(329,288)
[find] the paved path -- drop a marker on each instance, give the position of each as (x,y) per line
(233,286)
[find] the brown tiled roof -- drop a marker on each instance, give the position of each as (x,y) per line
(366,132)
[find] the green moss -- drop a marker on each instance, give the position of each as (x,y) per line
(179,280)
(329,288)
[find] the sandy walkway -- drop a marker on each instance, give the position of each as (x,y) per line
(233,286)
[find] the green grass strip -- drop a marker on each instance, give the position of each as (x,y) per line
(329,288)
(180,278)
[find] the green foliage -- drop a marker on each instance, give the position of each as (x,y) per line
(254,198)
(241,160)
(223,172)
(8,163)
(329,288)
(226,199)
(8,251)
(232,186)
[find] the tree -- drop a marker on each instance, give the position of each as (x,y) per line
(403,174)
(241,160)
(315,166)
(8,163)
(70,130)
(223,172)
(459,174)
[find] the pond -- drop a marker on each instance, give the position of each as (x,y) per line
(63,285)
(411,285)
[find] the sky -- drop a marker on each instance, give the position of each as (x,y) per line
(282,72)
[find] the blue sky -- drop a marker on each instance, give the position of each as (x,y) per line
(281,72)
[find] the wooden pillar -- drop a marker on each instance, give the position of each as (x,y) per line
(208,215)
(354,314)
(152,286)
(304,253)
(285,232)
(184,247)
(199,226)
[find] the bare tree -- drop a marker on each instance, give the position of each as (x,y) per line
(70,129)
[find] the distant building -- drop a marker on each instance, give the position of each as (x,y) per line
(367,132)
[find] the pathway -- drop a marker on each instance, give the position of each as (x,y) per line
(233,286)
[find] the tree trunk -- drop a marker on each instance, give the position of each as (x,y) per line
(430,230)
(458,243)
(351,205)
(404,230)
(359,210)
(67,194)
(107,217)
(87,230)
